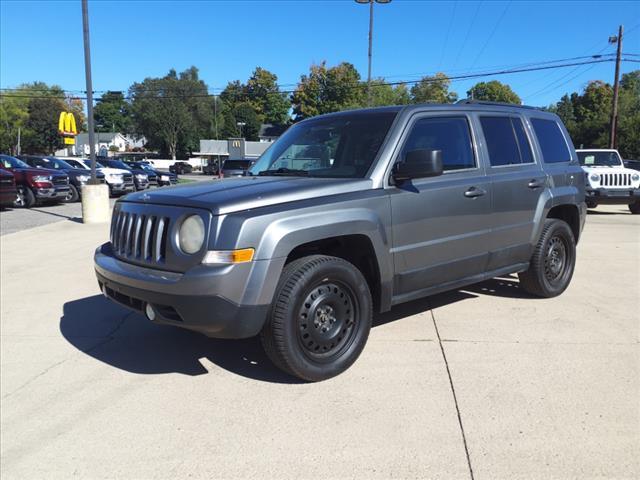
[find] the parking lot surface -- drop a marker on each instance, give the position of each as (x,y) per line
(484,382)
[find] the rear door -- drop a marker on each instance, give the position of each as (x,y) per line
(517,181)
(441,225)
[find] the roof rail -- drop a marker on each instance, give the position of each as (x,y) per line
(499,104)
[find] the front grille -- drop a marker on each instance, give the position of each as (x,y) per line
(6,181)
(139,237)
(127,177)
(60,181)
(615,180)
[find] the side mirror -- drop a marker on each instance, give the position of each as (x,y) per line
(418,164)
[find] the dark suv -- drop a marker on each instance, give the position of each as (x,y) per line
(180,168)
(351,213)
(156,177)
(35,185)
(77,177)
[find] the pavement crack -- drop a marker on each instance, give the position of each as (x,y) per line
(453,391)
(106,339)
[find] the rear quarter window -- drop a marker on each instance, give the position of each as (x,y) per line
(552,142)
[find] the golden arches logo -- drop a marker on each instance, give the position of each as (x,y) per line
(236,143)
(67,124)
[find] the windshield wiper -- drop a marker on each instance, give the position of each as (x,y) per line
(284,172)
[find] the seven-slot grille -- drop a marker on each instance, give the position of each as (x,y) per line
(615,180)
(142,238)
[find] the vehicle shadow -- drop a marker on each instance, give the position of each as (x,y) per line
(128,341)
(60,215)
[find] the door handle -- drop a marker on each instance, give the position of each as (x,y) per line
(535,183)
(474,192)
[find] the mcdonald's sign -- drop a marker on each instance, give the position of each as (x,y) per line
(67,127)
(67,124)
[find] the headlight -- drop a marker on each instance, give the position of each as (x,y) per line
(164,178)
(191,235)
(114,178)
(141,176)
(83,178)
(594,177)
(635,177)
(41,178)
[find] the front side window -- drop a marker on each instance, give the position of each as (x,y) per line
(506,141)
(340,146)
(450,135)
(552,143)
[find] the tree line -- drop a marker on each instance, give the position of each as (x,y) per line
(175,111)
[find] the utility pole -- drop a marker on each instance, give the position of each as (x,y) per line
(18,145)
(87,71)
(370,2)
(616,88)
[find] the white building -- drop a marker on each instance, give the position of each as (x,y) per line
(106,141)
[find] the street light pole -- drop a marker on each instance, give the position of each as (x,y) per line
(616,88)
(87,72)
(370,2)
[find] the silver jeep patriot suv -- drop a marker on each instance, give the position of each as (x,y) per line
(347,214)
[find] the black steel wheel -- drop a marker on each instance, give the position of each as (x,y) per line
(553,261)
(72,195)
(320,318)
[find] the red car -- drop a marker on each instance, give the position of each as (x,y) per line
(35,185)
(8,191)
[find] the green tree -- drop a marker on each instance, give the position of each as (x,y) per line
(13,116)
(172,112)
(433,90)
(564,109)
(243,113)
(265,97)
(326,90)
(112,113)
(493,91)
(592,110)
(384,94)
(628,132)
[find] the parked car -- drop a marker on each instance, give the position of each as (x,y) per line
(119,180)
(35,185)
(180,168)
(390,205)
(236,168)
(211,168)
(140,177)
(8,190)
(156,177)
(608,180)
(77,177)
(632,164)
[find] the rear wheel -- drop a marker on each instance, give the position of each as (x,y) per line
(635,207)
(553,261)
(320,318)
(25,198)
(73,195)
(591,204)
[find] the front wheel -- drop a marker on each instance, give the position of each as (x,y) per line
(73,195)
(320,318)
(553,261)
(635,207)
(25,198)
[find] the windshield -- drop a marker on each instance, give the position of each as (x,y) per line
(118,164)
(76,164)
(11,162)
(599,159)
(340,146)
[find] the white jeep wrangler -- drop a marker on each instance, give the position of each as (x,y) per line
(608,181)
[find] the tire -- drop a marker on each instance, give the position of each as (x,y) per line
(73,195)
(553,261)
(25,198)
(591,204)
(635,207)
(333,293)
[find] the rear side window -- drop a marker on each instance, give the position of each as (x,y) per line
(448,134)
(506,141)
(552,143)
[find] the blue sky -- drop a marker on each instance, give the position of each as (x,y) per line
(226,40)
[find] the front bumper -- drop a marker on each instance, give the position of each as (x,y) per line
(57,193)
(122,187)
(8,196)
(141,184)
(196,300)
(612,196)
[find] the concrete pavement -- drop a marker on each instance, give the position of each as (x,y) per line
(543,388)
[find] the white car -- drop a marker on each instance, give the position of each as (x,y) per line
(119,180)
(608,181)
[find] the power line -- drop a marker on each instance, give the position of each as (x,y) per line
(446,39)
(466,37)
(495,28)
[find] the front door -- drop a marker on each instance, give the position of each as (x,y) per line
(441,225)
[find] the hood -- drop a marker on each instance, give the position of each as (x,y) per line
(616,169)
(80,171)
(242,193)
(113,171)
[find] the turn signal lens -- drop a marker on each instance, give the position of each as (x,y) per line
(228,256)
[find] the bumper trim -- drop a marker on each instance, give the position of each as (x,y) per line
(611,196)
